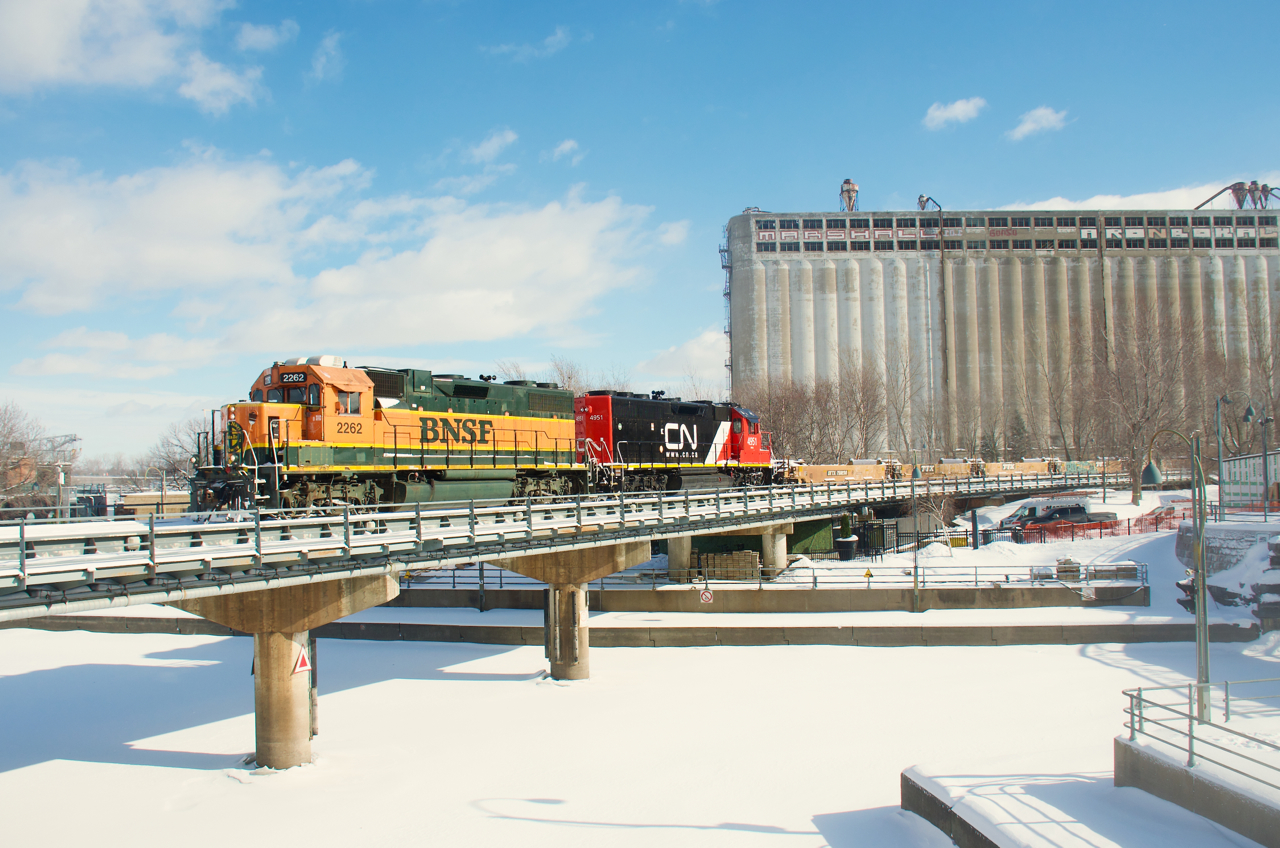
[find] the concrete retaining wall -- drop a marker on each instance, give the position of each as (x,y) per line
(658,637)
(788,600)
(1197,792)
(1225,542)
(916,799)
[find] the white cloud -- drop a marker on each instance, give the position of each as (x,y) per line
(549,46)
(567,148)
(1039,119)
(265,36)
(327,62)
(469,184)
(491,147)
(673,232)
(698,362)
(1187,197)
(234,247)
(216,88)
(958,112)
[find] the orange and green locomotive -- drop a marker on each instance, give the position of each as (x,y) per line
(314,432)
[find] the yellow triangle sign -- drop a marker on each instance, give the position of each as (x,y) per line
(868,575)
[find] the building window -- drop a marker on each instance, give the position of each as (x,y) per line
(980,244)
(1066,244)
(951,244)
(929,223)
(791,247)
(861,245)
(1114,244)
(884,245)
(1178,222)
(906,223)
(1180,242)
(1267,221)
(1020,222)
(1044,244)
(1199,221)
(909,244)
(835,223)
(859,223)
(1200,243)
(766,247)
(884,223)
(1068,222)
(1222,220)
(1135,244)
(1244,221)
(1131,221)
(1088,222)
(1224,242)
(1088,244)
(999,244)
(837,245)
(1268,242)
(953,222)
(1044,222)
(1155,222)
(766,225)
(813,223)
(788,224)
(997,222)
(1110,222)
(1247,242)
(811,246)
(930,244)
(1022,244)
(1157,244)
(975,222)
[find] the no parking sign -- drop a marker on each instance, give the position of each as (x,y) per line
(705,596)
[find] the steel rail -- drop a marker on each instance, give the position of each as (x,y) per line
(59,566)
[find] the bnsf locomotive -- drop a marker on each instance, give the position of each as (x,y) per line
(317,433)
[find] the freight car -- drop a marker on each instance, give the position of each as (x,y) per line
(314,432)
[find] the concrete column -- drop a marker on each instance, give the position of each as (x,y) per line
(873,330)
(1036,348)
(990,351)
(568,573)
(1238,371)
(1081,322)
(1058,319)
(1191,301)
(849,300)
(749,314)
(1011,330)
(1125,310)
(679,558)
(1169,312)
(1215,319)
(920,336)
(802,358)
(969,409)
(949,380)
(281,700)
(773,557)
(567,635)
(826,323)
(279,620)
(779,323)
(898,365)
(1260,329)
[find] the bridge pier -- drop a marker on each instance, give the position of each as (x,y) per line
(773,550)
(280,621)
(679,558)
(567,635)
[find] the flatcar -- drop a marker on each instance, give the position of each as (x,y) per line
(314,432)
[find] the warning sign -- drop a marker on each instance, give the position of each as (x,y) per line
(868,575)
(303,663)
(705,596)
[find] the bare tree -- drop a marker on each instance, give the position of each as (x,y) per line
(175,451)
(862,408)
(568,375)
(509,369)
(20,437)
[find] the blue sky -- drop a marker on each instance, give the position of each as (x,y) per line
(191,189)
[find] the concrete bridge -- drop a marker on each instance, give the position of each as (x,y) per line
(280,576)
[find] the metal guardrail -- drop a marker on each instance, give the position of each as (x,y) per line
(56,566)
(1153,715)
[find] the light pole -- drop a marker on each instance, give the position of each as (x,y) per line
(915,542)
(1199,493)
(1262,420)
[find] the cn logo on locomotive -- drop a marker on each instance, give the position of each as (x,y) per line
(682,436)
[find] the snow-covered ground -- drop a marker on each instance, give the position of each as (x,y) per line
(140,738)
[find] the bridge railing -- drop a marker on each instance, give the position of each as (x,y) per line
(45,562)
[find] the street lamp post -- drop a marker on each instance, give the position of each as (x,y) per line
(915,542)
(1199,494)
(1262,420)
(1221,400)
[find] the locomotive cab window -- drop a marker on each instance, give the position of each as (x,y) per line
(295,394)
(348,403)
(273,396)
(256,396)
(313,394)
(737,426)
